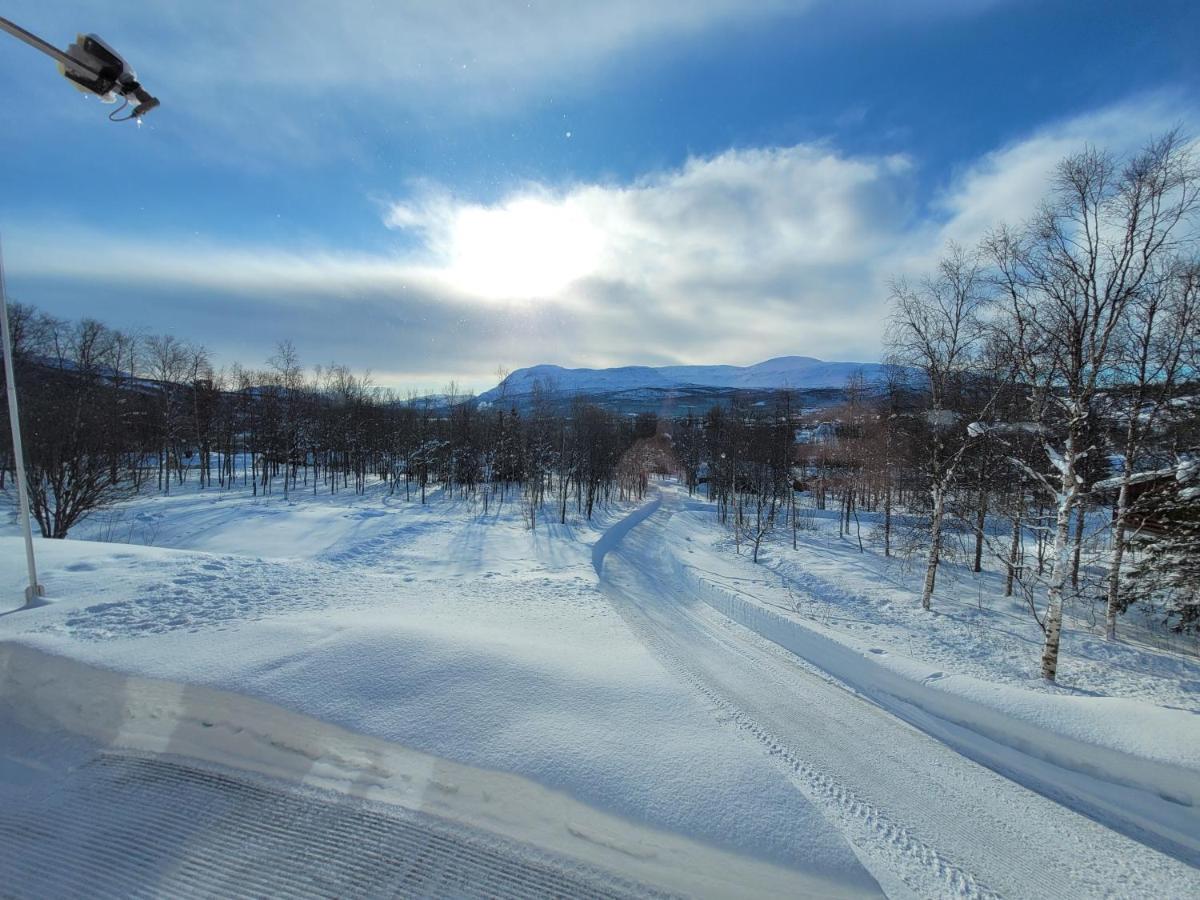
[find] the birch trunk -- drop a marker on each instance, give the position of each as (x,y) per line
(1013,552)
(1060,566)
(935,546)
(1077,550)
(1114,566)
(887,522)
(980,523)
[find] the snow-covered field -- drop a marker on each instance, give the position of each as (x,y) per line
(628,694)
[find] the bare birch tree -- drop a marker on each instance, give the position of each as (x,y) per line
(1071,278)
(936,333)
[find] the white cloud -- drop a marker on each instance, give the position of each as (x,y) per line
(745,217)
(300,80)
(1006,184)
(466,52)
(733,258)
(247,84)
(734,242)
(316,45)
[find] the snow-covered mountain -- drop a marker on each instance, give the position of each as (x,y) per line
(783,372)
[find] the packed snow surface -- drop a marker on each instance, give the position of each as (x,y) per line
(138,824)
(644,685)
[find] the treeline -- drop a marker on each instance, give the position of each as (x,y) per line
(107,414)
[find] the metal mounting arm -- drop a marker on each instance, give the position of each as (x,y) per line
(91,65)
(49,49)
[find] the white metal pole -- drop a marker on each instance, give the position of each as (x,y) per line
(35,590)
(50,50)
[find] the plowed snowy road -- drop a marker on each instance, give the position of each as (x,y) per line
(913,808)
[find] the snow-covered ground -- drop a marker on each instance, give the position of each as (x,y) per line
(1123,749)
(452,634)
(628,688)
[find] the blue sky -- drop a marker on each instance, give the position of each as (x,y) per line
(434,189)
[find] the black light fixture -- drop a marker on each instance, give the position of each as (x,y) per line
(95,67)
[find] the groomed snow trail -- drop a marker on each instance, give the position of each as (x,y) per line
(125,825)
(922,817)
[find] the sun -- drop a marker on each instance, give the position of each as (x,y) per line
(525,249)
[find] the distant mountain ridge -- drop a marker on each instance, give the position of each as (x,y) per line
(781,373)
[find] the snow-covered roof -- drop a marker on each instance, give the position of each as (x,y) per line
(1184,470)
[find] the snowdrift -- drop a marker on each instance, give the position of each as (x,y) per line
(56,694)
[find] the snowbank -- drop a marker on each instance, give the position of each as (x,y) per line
(53,693)
(1124,758)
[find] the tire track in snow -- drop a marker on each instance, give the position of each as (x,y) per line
(867,826)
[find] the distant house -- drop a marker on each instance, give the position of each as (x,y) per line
(1159,499)
(820,433)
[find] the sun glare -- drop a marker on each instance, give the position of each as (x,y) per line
(528,249)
